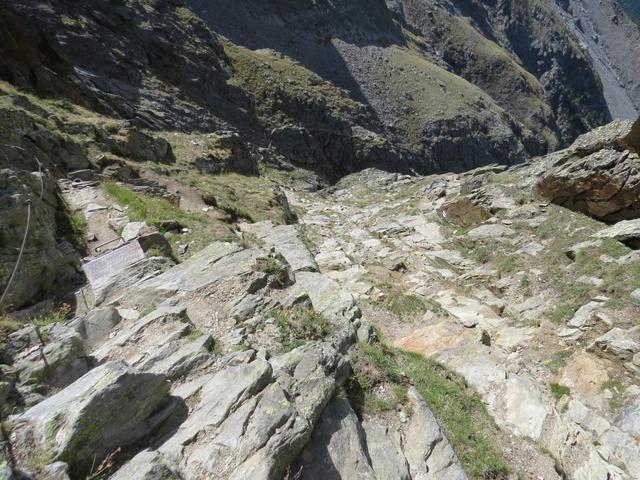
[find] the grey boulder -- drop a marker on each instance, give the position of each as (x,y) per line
(626,231)
(111,406)
(56,364)
(337,448)
(427,450)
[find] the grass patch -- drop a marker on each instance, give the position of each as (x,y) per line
(489,252)
(250,197)
(616,387)
(144,208)
(503,179)
(558,361)
(558,391)
(58,315)
(299,325)
(8,325)
(563,312)
(459,410)
(237,212)
(70,225)
(407,305)
(273,267)
(565,229)
(203,229)
(404,305)
(194,335)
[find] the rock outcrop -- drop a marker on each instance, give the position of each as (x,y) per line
(597,175)
(49,261)
(111,406)
(202,406)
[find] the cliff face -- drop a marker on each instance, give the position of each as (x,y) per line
(612,39)
(331,86)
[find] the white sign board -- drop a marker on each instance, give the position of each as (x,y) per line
(113,262)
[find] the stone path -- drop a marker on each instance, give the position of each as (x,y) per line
(381,234)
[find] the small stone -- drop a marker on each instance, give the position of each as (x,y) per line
(133,230)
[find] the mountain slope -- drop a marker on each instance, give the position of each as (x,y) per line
(412,85)
(491,46)
(612,39)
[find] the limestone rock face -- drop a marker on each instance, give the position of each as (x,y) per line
(599,175)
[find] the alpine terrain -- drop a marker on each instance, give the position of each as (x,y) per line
(320,239)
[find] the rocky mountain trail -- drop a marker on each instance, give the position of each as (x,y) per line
(484,300)
(451,325)
(250,405)
(323,240)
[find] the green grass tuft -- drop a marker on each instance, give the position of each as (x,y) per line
(558,391)
(203,229)
(58,315)
(299,325)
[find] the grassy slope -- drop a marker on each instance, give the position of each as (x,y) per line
(492,69)
(270,78)
(459,410)
(435,93)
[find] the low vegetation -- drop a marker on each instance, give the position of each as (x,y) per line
(564,229)
(616,389)
(201,228)
(57,315)
(299,325)
(460,411)
(70,225)
(558,360)
(558,391)
(274,268)
(405,305)
(250,198)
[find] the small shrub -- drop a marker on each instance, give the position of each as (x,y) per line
(558,391)
(563,312)
(300,325)
(249,240)
(194,335)
(273,267)
(155,251)
(8,325)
